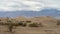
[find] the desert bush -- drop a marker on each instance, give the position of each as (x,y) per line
(58,22)
(1,23)
(28,21)
(33,25)
(0,20)
(22,24)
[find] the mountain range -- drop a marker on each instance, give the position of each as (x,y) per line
(44,12)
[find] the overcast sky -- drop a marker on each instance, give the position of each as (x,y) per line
(33,5)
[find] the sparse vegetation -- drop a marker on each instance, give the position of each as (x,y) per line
(34,22)
(33,25)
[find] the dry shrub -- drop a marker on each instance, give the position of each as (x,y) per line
(28,21)
(33,25)
(58,22)
(22,24)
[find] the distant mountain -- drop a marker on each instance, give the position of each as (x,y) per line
(44,12)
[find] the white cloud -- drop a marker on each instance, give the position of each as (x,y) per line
(34,5)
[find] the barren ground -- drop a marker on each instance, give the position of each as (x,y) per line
(31,30)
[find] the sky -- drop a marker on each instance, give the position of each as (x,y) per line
(29,5)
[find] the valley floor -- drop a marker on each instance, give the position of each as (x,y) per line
(31,30)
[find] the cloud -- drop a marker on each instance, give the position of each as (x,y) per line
(32,5)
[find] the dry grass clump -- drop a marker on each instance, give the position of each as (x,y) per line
(35,25)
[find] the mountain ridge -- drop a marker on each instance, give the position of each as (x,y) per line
(44,12)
